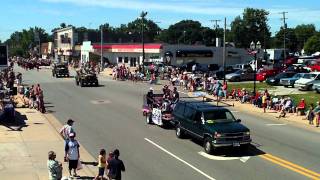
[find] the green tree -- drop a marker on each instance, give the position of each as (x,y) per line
(291,39)
(252,26)
(185,31)
(303,33)
(313,44)
(63,25)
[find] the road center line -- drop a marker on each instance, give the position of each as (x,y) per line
(291,166)
(179,159)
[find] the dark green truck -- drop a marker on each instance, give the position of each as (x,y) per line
(214,125)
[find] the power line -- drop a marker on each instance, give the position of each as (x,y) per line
(216,23)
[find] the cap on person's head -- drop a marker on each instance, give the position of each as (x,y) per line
(70,121)
(116,152)
(72,135)
(151,89)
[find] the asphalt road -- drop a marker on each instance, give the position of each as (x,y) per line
(110,117)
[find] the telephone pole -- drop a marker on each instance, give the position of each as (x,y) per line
(224,50)
(216,23)
(215,27)
(284,35)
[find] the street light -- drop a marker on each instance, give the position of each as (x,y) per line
(142,16)
(255,50)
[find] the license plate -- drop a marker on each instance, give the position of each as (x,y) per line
(236,144)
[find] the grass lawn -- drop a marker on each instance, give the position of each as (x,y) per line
(249,86)
(310,97)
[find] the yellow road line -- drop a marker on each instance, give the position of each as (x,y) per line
(291,166)
(294,165)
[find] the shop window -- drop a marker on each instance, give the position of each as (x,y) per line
(126,59)
(119,59)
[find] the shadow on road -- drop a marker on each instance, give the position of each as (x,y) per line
(251,150)
(89,163)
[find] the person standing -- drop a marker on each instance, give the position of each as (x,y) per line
(116,166)
(54,167)
(67,129)
(72,154)
(102,164)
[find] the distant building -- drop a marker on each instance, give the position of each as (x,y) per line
(65,40)
(131,54)
(47,50)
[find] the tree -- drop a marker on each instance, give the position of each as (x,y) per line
(313,44)
(303,33)
(185,31)
(151,30)
(252,26)
(291,39)
(21,42)
(63,25)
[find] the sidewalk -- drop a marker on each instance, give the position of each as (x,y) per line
(24,147)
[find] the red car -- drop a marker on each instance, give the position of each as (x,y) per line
(315,67)
(263,74)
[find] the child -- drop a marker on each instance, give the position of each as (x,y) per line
(102,161)
(310,115)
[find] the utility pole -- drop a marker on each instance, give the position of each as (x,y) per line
(142,16)
(101,50)
(284,35)
(215,26)
(224,50)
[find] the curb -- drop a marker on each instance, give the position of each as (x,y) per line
(56,126)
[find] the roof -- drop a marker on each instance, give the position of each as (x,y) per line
(203,106)
(127,46)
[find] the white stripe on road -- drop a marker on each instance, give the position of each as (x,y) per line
(179,159)
(276,124)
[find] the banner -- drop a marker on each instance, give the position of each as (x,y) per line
(156,116)
(3,56)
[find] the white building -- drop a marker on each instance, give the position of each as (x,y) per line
(131,54)
(65,40)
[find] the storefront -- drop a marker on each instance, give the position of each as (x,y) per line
(177,55)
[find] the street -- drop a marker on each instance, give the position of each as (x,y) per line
(110,117)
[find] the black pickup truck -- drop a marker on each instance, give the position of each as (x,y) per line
(215,126)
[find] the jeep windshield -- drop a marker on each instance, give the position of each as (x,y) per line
(221,116)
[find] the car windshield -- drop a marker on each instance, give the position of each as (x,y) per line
(281,75)
(60,66)
(299,75)
(309,76)
(218,117)
(238,72)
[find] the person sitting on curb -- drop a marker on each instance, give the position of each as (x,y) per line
(301,107)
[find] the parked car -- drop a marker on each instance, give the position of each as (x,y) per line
(241,75)
(215,126)
(229,70)
(307,81)
(316,87)
(276,80)
(297,68)
(263,74)
(286,82)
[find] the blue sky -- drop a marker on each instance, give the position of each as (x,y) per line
(20,14)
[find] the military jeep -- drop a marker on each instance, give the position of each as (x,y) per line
(59,70)
(86,78)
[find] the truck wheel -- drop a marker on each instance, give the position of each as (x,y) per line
(286,86)
(207,146)
(96,84)
(148,118)
(179,132)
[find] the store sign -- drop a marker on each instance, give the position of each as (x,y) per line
(3,56)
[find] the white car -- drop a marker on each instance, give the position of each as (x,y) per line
(307,81)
